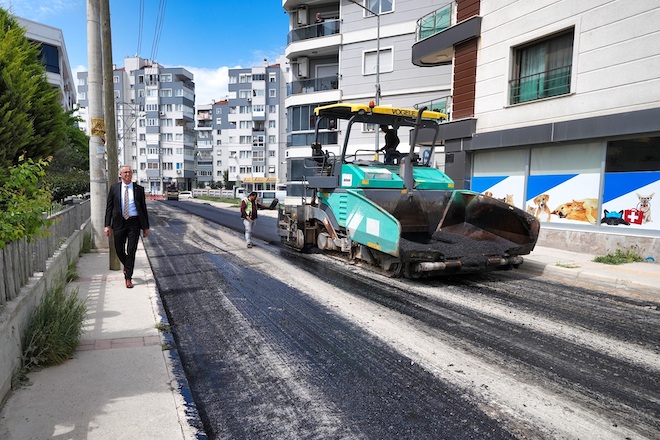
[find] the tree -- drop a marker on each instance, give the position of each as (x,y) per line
(74,156)
(32,121)
(32,128)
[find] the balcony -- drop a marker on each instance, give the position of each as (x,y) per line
(313,85)
(437,34)
(435,22)
(329,27)
(442,105)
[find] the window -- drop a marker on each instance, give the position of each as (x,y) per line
(542,69)
(166,77)
(370,65)
(272,108)
(271,139)
(115,79)
(272,77)
(50,58)
(633,155)
(272,93)
(165,93)
(378,6)
(272,124)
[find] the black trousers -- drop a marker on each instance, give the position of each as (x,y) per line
(126,243)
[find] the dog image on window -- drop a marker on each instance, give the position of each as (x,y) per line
(541,202)
(584,210)
(644,205)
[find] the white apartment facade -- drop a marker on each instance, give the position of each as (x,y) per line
(154,106)
(558,106)
(249,127)
(55,59)
(356,55)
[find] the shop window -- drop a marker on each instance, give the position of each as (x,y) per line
(633,155)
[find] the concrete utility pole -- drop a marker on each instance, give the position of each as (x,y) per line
(98,179)
(110,119)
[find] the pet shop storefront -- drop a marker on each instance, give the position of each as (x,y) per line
(592,196)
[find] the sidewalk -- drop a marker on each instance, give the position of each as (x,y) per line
(641,280)
(121,383)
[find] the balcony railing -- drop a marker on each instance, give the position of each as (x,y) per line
(313,85)
(435,22)
(442,105)
(541,85)
(306,138)
(328,27)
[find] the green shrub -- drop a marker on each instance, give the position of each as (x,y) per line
(630,255)
(23,201)
(70,184)
(54,330)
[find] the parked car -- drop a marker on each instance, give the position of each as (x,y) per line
(183,195)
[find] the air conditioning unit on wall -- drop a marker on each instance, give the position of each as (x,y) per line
(301,14)
(303,67)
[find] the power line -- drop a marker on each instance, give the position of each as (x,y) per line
(140,27)
(159,28)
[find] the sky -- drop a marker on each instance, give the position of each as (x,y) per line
(206,37)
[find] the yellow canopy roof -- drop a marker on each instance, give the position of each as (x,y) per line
(344,110)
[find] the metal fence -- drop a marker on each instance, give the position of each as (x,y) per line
(21,259)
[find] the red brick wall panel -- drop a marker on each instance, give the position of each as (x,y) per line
(467,8)
(465,75)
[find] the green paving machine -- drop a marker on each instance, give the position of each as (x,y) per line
(405,218)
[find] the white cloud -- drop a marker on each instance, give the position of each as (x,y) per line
(210,84)
(36,9)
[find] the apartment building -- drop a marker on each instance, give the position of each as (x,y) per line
(362,52)
(154,106)
(254,139)
(205,146)
(557,106)
(54,58)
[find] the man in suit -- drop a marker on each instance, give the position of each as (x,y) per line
(125,215)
